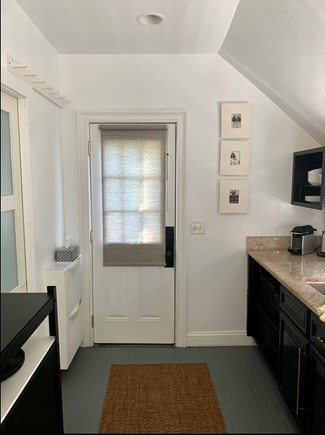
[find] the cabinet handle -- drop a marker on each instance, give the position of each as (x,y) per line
(298,381)
(320,339)
(74,311)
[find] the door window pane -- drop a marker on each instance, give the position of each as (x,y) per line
(6,174)
(133,170)
(9,275)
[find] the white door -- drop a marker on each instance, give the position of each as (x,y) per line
(133,303)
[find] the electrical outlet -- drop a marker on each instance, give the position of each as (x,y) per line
(197,226)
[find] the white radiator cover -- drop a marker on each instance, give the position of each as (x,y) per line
(67,277)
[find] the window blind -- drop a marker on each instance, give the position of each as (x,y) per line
(133,186)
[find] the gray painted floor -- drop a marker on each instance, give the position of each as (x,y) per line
(245,386)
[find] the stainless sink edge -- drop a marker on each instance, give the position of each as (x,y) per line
(319,286)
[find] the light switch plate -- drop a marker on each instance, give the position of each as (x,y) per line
(197,226)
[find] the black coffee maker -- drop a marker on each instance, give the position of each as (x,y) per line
(303,240)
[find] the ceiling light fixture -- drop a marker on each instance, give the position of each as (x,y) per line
(151,19)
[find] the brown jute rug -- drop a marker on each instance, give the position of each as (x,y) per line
(161,398)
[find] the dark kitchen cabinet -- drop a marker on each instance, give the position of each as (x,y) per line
(293,355)
(31,400)
(292,339)
(263,311)
(316,378)
(297,311)
(294,348)
(304,161)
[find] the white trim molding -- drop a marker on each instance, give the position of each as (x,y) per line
(219,338)
(16,87)
(177,116)
(37,83)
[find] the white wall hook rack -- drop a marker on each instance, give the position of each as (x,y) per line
(36,82)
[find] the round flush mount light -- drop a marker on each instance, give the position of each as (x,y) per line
(151,19)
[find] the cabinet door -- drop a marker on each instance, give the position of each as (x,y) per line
(292,368)
(263,311)
(267,337)
(316,420)
(37,410)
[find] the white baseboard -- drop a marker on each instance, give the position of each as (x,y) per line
(211,338)
(219,338)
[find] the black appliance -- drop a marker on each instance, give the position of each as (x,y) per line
(303,240)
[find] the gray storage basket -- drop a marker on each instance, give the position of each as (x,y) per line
(67,254)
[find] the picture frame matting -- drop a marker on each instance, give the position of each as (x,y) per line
(235,120)
(234,157)
(233,196)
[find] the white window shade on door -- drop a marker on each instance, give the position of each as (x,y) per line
(133,186)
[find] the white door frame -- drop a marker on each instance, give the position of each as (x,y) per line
(17,88)
(159,116)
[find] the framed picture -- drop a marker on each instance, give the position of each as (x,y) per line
(235,120)
(233,196)
(234,157)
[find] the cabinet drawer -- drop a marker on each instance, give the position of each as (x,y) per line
(296,310)
(317,333)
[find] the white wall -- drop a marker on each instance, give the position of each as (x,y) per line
(216,261)
(22,40)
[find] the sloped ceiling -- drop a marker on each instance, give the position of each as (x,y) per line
(111,26)
(279,45)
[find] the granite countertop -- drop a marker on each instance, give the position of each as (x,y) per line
(290,270)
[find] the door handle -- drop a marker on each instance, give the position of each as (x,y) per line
(298,380)
(169,252)
(74,311)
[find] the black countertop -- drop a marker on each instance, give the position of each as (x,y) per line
(21,314)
